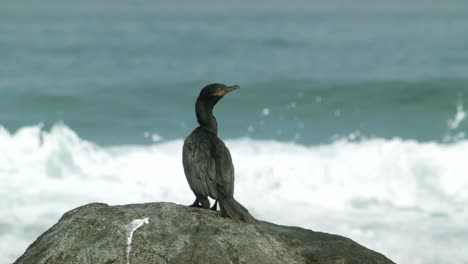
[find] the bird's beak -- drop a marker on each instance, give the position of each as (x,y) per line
(226,90)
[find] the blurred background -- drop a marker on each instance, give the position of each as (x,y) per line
(350,118)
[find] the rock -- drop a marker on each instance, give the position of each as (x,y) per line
(99,233)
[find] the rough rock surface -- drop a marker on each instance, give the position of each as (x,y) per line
(99,233)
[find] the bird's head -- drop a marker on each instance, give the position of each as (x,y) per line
(207,99)
(217,90)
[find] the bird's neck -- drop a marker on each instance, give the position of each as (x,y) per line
(205,117)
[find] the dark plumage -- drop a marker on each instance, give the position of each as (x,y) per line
(207,161)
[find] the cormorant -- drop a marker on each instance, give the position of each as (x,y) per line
(207,161)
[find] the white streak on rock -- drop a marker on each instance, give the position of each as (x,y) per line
(131,228)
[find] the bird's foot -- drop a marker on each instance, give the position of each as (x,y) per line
(195,204)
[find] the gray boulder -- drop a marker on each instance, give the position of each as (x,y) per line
(170,233)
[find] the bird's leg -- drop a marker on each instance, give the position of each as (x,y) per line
(205,203)
(215,206)
(195,204)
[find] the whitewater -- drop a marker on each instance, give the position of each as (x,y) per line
(403,198)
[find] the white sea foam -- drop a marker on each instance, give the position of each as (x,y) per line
(460,115)
(403,198)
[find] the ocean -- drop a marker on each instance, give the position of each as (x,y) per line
(351,117)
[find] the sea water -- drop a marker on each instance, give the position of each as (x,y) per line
(351,117)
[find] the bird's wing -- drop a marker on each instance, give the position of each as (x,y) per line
(224,169)
(199,165)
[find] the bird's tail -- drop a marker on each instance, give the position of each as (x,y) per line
(233,209)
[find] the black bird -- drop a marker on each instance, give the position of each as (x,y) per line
(207,161)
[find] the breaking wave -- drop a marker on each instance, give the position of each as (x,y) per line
(384,193)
